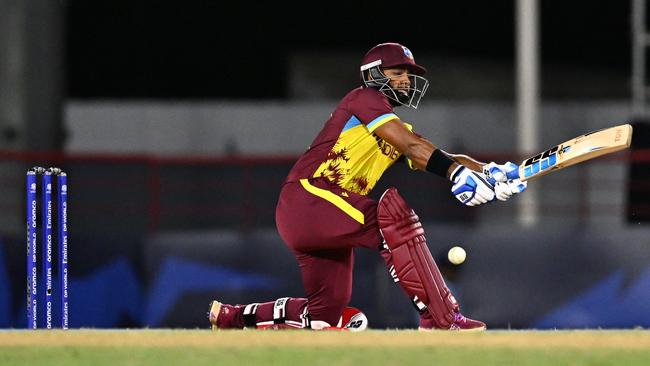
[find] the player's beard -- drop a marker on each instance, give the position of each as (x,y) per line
(404,95)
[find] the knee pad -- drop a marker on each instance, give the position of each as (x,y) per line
(353,320)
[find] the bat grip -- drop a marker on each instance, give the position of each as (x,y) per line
(514,174)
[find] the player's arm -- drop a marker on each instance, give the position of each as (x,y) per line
(425,156)
(467,161)
(419,149)
(469,187)
(414,147)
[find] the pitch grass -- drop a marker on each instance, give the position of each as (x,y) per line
(374,347)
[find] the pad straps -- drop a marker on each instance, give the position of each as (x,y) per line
(250,320)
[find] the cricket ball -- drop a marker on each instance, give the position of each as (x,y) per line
(456,255)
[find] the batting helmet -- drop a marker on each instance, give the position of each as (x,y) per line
(391,55)
(387,55)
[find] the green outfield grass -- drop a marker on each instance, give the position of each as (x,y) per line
(391,347)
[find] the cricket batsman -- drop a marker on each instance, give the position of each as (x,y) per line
(324,212)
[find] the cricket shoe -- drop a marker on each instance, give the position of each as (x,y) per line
(461,323)
(223,316)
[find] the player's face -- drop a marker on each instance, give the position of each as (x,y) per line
(399,79)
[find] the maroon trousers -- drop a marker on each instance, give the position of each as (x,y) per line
(322,224)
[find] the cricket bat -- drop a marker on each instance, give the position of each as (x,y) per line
(574,151)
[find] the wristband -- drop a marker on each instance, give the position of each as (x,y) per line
(439,163)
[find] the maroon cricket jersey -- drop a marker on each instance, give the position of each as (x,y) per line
(346,152)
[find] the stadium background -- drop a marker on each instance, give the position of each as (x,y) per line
(178,122)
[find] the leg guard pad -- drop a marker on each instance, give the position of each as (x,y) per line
(413,264)
(283,313)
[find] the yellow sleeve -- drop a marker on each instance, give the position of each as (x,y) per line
(375,123)
(408,161)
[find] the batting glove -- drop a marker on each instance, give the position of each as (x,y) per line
(470,187)
(507,189)
(500,172)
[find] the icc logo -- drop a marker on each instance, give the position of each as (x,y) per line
(64,188)
(49,187)
(33,187)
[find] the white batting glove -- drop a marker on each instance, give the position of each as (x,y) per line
(470,187)
(500,172)
(507,189)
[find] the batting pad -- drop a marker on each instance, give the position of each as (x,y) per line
(418,274)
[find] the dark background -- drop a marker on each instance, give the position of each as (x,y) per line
(135,99)
(215,49)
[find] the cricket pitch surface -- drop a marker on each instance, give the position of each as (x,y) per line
(373,347)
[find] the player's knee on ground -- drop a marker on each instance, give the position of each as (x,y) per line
(353,320)
(330,306)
